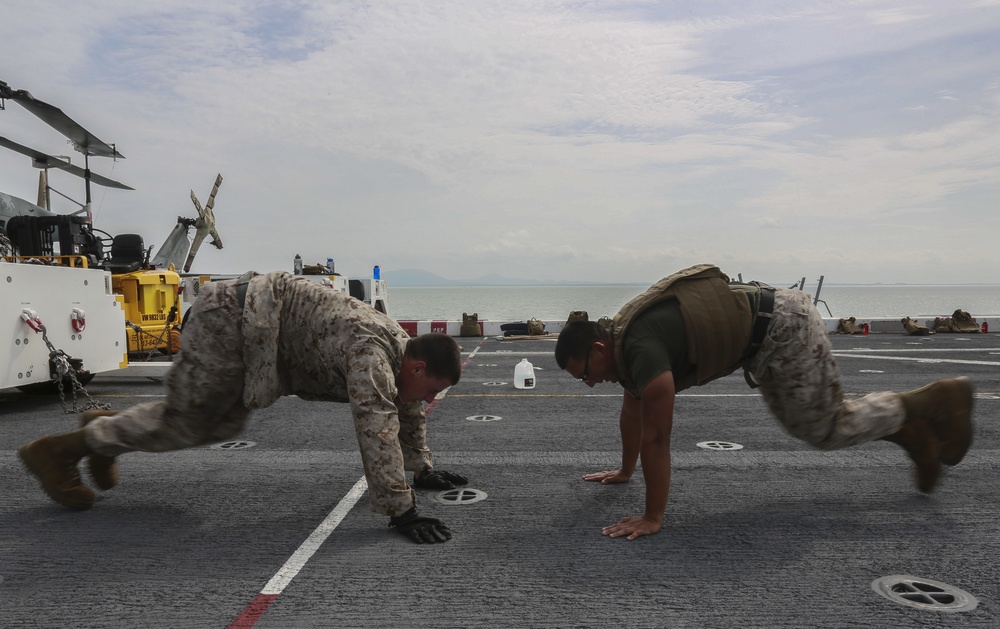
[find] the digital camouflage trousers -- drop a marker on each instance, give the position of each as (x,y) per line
(204,404)
(800,381)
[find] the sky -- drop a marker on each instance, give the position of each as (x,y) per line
(606,141)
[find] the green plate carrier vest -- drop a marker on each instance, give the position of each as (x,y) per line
(718,322)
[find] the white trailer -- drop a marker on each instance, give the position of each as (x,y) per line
(70,311)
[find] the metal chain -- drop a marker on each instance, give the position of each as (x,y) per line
(65,370)
(157,340)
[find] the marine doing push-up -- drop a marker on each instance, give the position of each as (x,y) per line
(246,343)
(696,326)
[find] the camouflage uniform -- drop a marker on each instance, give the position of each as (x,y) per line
(292,337)
(800,382)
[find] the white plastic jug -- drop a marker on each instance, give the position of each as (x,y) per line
(524,375)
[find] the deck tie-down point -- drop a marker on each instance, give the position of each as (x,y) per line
(720,445)
(234,445)
(460,496)
(924,593)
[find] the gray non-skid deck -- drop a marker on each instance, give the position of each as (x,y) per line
(774,534)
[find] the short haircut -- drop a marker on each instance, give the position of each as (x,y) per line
(441,353)
(575,340)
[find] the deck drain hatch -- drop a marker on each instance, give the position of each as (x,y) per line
(720,445)
(494,384)
(234,445)
(924,594)
(461,496)
(870,371)
(483,418)
(486,365)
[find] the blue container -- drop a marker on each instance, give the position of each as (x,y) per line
(329,265)
(376,273)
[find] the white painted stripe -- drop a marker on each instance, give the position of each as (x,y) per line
(309,547)
(922,360)
(688,456)
(852,352)
(130,395)
(980,394)
(614,395)
(512,353)
(914,350)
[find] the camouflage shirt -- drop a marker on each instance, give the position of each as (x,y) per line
(305,339)
(301,338)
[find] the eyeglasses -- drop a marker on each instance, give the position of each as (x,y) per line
(586,366)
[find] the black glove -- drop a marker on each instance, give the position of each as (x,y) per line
(438,479)
(420,529)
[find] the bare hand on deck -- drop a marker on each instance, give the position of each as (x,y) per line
(634,527)
(608,477)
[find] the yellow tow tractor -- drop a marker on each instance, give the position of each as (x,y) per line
(152,296)
(152,288)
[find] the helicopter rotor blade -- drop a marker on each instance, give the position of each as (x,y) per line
(215,190)
(84,141)
(198,238)
(44,160)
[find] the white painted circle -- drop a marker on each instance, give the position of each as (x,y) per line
(483,418)
(459,496)
(720,445)
(234,445)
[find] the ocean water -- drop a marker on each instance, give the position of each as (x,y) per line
(519,303)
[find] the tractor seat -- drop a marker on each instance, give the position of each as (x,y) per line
(127,254)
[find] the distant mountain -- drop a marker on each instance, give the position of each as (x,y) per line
(414,277)
(419,277)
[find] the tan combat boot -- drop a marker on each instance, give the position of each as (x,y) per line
(53,461)
(917,438)
(102,468)
(947,407)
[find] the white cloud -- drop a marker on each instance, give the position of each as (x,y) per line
(606,141)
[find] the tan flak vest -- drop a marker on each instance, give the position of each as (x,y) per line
(718,322)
